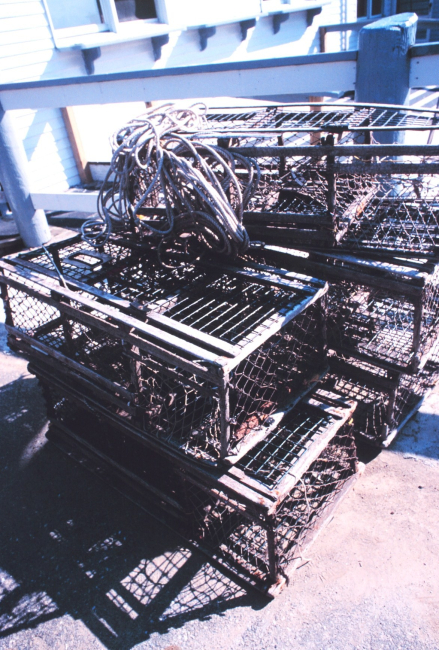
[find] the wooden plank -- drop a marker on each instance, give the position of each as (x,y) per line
(80,201)
(341,151)
(386,168)
(74,135)
(341,367)
(406,286)
(296,218)
(312,73)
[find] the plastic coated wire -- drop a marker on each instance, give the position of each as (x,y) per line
(198,183)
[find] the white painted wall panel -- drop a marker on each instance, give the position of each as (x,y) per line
(26,49)
(51,162)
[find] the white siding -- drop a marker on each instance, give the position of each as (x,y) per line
(27,52)
(51,162)
(24,22)
(26,48)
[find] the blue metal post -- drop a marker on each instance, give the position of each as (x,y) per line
(32,224)
(383,65)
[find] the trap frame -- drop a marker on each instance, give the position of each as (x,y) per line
(223,347)
(254,518)
(385,401)
(385,313)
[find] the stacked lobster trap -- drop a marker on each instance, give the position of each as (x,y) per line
(211,368)
(223,371)
(364,217)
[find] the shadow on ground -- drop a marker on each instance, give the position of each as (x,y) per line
(69,544)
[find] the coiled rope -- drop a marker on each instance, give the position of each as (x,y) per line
(202,189)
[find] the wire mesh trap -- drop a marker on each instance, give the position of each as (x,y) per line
(326,182)
(263,546)
(254,518)
(215,359)
(384,312)
(385,400)
(326,117)
(394,329)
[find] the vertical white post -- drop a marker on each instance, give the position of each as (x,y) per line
(32,224)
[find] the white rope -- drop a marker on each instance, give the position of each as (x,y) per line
(156,162)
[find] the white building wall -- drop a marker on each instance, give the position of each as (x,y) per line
(26,47)
(28,52)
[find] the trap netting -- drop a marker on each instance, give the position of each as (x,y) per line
(386,327)
(258,537)
(255,544)
(385,400)
(401,217)
(301,202)
(325,117)
(222,354)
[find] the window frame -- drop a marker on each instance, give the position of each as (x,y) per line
(369,14)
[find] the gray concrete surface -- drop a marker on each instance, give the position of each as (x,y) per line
(82,568)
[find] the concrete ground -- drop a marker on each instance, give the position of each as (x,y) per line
(82,568)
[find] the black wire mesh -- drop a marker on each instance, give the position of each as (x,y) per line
(381,325)
(278,453)
(328,118)
(77,259)
(403,215)
(384,401)
(165,400)
(277,371)
(241,539)
(300,201)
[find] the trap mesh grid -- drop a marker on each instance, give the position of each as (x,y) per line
(307,202)
(77,259)
(383,326)
(260,546)
(385,401)
(403,215)
(294,204)
(165,399)
(329,118)
(257,544)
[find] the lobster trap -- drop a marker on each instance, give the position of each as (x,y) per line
(385,313)
(391,328)
(326,182)
(264,542)
(354,117)
(385,400)
(202,356)
(256,517)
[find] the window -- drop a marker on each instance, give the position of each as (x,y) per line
(75,16)
(71,18)
(369,8)
(135,10)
